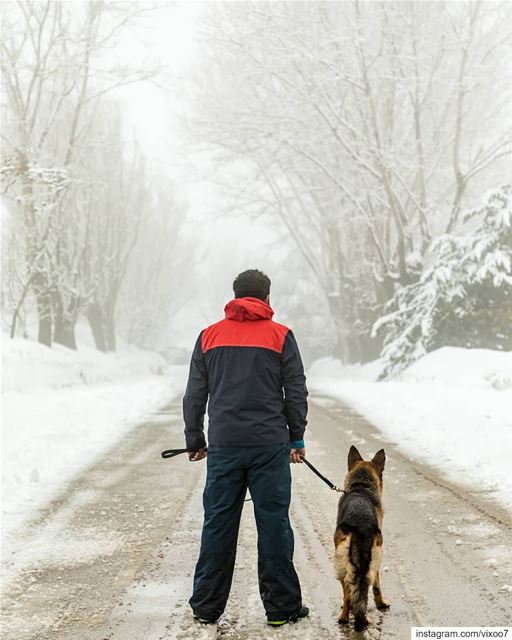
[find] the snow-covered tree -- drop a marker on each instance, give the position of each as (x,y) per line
(464,296)
(361,128)
(76,196)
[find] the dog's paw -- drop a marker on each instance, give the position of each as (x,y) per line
(383,606)
(343,620)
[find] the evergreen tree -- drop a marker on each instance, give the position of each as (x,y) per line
(464,296)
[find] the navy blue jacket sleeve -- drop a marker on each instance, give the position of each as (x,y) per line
(294,385)
(195,399)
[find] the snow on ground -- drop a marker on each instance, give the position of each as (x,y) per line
(29,366)
(451,409)
(61,409)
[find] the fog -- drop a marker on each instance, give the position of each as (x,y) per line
(152,151)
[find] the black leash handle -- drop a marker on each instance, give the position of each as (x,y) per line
(170,453)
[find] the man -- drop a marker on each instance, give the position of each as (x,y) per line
(250,371)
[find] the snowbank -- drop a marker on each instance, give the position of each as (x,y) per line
(61,409)
(29,366)
(451,409)
(482,368)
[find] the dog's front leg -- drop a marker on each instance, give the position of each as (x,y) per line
(345,609)
(380,603)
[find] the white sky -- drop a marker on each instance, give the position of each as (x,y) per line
(165,37)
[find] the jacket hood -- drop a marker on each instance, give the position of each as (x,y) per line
(242,309)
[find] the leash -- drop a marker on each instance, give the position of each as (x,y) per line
(330,484)
(170,453)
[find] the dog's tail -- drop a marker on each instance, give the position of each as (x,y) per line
(360,557)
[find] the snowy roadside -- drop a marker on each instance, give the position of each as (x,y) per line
(62,409)
(452,409)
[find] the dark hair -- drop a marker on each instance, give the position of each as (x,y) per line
(251,283)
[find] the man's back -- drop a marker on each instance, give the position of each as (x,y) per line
(245,362)
(248,368)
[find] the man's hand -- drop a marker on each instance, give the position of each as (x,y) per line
(198,455)
(297,454)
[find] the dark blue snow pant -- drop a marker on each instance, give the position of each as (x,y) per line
(265,471)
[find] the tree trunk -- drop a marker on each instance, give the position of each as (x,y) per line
(64,332)
(110,332)
(39,280)
(64,329)
(95,318)
(44,309)
(45,320)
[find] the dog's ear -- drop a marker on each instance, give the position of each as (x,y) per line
(379,460)
(353,456)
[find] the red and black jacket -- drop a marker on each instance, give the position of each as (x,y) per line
(249,370)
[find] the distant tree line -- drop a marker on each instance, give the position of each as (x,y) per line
(78,202)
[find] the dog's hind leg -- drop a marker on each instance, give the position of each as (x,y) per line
(345,609)
(343,571)
(380,603)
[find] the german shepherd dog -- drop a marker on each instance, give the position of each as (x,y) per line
(358,537)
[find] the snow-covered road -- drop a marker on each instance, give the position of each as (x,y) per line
(112,557)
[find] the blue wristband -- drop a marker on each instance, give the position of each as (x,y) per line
(297,444)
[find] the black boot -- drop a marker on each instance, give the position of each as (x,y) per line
(303,612)
(203,620)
